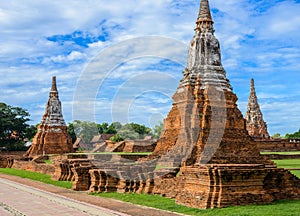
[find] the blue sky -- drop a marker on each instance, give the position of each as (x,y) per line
(41,39)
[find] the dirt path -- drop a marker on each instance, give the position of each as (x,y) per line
(114,205)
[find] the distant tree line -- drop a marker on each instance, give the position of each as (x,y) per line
(130,131)
(295,135)
(15,130)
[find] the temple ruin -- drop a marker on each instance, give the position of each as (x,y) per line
(52,136)
(256,125)
(221,165)
(205,157)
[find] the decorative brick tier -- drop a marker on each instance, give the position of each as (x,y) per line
(223,185)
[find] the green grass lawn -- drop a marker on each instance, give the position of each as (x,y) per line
(48,161)
(296,173)
(36,176)
(288,163)
(278,208)
(281,153)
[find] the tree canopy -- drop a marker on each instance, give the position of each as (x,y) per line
(87,130)
(13,126)
(131,131)
(276,136)
(157,130)
(295,135)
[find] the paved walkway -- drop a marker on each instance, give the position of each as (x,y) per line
(17,199)
(19,196)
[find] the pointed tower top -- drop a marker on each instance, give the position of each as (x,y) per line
(54,88)
(252,90)
(252,84)
(256,126)
(204,18)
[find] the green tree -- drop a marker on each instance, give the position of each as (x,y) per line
(128,133)
(30,132)
(116,138)
(142,130)
(117,125)
(295,135)
(105,128)
(85,129)
(276,136)
(13,125)
(71,132)
(157,130)
(134,131)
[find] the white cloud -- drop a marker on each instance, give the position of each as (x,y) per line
(73,56)
(259,39)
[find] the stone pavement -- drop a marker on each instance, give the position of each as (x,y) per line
(17,199)
(61,201)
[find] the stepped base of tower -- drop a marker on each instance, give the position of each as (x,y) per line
(54,140)
(223,185)
(206,127)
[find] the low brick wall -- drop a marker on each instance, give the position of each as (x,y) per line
(278,145)
(117,181)
(34,167)
(281,156)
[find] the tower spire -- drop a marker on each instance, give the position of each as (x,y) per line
(204,59)
(256,126)
(252,88)
(54,87)
(204,20)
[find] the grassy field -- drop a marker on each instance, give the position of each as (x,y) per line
(36,176)
(288,163)
(281,153)
(282,208)
(296,173)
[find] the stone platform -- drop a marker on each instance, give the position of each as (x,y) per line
(223,185)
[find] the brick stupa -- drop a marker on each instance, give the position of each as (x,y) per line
(52,136)
(205,134)
(256,125)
